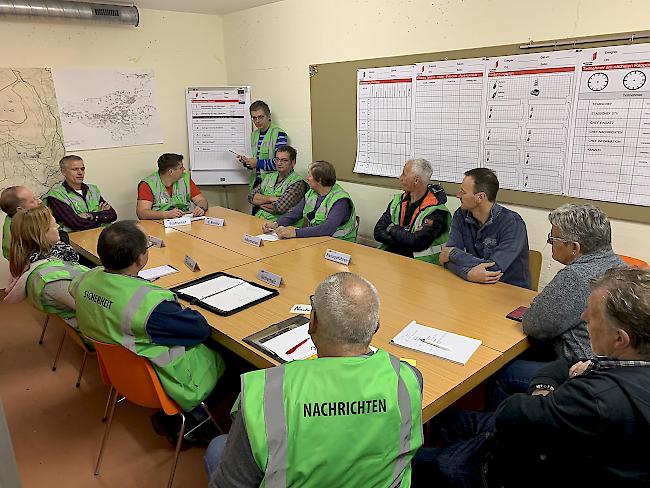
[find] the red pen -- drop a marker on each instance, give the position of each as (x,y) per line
(294,348)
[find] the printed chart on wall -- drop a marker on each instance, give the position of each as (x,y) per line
(219,127)
(384,99)
(447,114)
(574,122)
(611,151)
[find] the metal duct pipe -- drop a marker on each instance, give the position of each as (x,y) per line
(99,12)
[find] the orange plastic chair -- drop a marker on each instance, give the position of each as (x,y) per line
(68,331)
(133,377)
(634,262)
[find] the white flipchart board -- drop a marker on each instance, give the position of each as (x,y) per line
(218,121)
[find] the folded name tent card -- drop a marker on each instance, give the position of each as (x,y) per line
(446,345)
(223,294)
(178,221)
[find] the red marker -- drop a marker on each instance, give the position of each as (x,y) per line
(295,348)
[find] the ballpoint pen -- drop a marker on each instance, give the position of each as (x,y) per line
(294,348)
(440,346)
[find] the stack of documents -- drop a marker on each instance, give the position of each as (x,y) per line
(454,347)
(152,274)
(225,292)
(292,344)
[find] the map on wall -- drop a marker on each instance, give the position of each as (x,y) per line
(31,141)
(107,108)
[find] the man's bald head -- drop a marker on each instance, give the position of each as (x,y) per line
(347,310)
(15,198)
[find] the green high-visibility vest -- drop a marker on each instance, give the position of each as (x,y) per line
(268,187)
(76,201)
(334,421)
(346,231)
(6,237)
(162,202)
(266,149)
(432,253)
(49,272)
(114,308)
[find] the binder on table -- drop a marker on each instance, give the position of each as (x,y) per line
(279,339)
(223,294)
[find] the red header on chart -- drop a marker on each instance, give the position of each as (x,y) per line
(450,76)
(196,100)
(376,82)
(562,69)
(615,66)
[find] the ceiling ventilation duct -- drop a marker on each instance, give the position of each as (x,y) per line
(98,12)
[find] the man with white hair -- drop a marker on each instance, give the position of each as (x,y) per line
(351,417)
(416,223)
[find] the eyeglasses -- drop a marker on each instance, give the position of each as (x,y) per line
(150,245)
(259,117)
(281,160)
(550,239)
(311,301)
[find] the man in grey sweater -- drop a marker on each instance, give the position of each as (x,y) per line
(581,239)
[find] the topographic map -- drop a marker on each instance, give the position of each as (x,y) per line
(31,141)
(107,108)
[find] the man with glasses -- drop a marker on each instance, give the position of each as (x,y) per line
(169,192)
(351,417)
(266,139)
(115,306)
(279,191)
(487,242)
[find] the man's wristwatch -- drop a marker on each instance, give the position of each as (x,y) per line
(544,386)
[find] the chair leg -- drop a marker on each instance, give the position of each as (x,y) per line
(181,433)
(207,410)
(108,404)
(47,320)
(81,370)
(58,352)
(107,430)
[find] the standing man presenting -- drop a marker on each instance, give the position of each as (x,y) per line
(279,190)
(266,139)
(169,192)
(487,242)
(76,205)
(416,222)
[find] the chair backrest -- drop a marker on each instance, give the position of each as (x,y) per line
(535,266)
(72,333)
(133,377)
(634,262)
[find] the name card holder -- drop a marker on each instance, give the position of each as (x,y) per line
(178,221)
(252,240)
(156,241)
(191,264)
(214,221)
(270,278)
(301,309)
(338,257)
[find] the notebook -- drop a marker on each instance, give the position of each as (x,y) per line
(223,294)
(446,345)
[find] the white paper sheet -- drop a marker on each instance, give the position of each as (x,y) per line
(269,237)
(454,347)
(157,272)
(192,218)
(284,342)
(236,297)
(211,287)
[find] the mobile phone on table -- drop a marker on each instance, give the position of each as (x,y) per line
(517,314)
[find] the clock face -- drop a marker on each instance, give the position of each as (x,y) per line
(634,80)
(597,81)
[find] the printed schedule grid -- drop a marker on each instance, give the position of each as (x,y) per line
(447,128)
(384,127)
(611,151)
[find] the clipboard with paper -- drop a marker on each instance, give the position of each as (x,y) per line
(285,341)
(223,294)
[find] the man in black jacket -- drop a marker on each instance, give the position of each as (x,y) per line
(416,223)
(579,425)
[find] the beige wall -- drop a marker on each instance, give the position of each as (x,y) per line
(183,50)
(271,47)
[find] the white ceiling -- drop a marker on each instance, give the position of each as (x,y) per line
(194,6)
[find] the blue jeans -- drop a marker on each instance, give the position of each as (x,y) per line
(514,378)
(468,438)
(213,454)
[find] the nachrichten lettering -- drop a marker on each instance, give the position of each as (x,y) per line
(93,297)
(332,409)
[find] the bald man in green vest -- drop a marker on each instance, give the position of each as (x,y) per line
(351,417)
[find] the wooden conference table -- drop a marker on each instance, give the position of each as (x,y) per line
(409,290)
